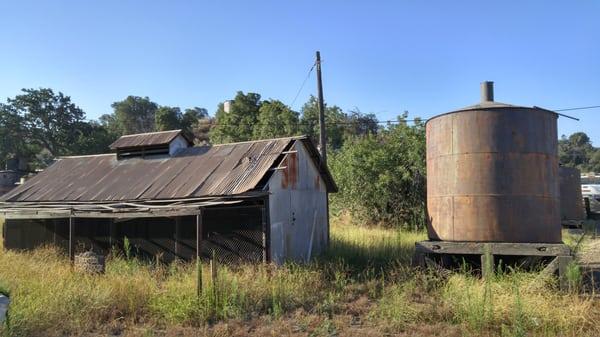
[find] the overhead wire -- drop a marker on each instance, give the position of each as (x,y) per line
(392,121)
(302,86)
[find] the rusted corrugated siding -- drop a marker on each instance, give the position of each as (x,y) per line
(146,139)
(227,169)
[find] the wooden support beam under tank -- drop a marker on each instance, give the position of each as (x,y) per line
(426,250)
(496,248)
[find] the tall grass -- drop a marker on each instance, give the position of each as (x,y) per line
(50,298)
(516,302)
(366,248)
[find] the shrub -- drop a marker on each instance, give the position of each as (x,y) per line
(382,177)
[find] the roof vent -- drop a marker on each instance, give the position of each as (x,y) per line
(151,144)
(487,91)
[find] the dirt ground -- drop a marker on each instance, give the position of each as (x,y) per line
(299,324)
(353,322)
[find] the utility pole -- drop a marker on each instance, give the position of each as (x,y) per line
(322,134)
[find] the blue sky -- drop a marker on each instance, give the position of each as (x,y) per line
(384,57)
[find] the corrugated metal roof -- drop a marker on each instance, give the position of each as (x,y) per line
(219,170)
(147,139)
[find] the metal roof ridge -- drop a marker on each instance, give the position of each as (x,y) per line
(258,140)
(86,155)
(151,133)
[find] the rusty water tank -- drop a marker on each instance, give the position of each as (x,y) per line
(492,174)
(571,200)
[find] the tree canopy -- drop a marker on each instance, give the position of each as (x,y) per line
(134,114)
(40,124)
(577,151)
(275,119)
(239,122)
(381,176)
(250,118)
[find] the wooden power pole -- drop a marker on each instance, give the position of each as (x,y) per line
(322,132)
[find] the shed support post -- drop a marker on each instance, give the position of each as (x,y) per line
(177,235)
(112,233)
(54,233)
(198,252)
(266,231)
(71,239)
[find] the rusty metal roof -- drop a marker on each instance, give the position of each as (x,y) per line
(148,139)
(218,170)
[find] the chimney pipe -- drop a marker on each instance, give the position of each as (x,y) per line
(487,91)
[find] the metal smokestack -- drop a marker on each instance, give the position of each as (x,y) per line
(487,91)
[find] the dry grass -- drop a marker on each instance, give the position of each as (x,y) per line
(363,286)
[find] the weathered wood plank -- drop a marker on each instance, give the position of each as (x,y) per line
(96,214)
(551,268)
(496,248)
(36,215)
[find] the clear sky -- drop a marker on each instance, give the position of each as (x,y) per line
(384,57)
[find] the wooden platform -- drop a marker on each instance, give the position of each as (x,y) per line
(561,253)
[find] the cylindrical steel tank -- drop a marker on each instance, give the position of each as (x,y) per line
(492,174)
(571,200)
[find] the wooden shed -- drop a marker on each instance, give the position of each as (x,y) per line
(252,201)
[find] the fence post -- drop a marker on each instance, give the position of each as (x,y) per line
(198,253)
(71,239)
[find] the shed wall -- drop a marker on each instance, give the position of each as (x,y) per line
(297,208)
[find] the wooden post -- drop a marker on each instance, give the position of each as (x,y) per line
(266,231)
(487,261)
(563,262)
(588,212)
(213,269)
(176,236)
(112,233)
(71,239)
(54,221)
(322,129)
(213,275)
(198,253)
(418,258)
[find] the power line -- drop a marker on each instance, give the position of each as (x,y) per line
(392,121)
(315,122)
(580,108)
(302,86)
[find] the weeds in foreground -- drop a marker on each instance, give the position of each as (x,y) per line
(49,298)
(522,301)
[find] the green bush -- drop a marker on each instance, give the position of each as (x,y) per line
(382,177)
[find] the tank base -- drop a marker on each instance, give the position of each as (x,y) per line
(485,256)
